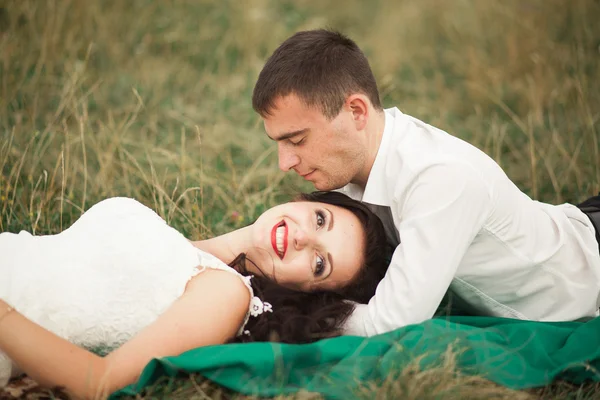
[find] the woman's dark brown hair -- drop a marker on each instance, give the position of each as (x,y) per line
(303,317)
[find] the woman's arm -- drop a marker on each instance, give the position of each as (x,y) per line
(209,312)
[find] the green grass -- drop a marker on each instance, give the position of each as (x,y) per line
(151,100)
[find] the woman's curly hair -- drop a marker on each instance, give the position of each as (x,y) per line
(304,317)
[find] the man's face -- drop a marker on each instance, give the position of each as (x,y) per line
(329,153)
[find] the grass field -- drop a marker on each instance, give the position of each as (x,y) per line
(151,100)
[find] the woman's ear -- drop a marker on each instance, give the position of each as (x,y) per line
(358,105)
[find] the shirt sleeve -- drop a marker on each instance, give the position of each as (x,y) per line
(444,208)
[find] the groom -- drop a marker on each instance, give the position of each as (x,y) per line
(456,219)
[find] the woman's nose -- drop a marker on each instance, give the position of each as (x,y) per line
(302,239)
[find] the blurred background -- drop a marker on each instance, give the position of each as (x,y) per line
(152,99)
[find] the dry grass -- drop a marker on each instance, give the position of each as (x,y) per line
(152,100)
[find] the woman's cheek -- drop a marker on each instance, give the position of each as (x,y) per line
(300,273)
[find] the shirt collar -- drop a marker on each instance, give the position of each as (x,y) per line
(375,190)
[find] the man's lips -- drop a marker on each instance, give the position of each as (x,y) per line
(308,174)
(274,238)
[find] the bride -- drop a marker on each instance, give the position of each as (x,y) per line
(121,283)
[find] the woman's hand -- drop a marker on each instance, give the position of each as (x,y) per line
(48,359)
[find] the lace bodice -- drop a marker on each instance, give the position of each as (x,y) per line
(99,282)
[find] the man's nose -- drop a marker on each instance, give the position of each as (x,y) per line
(287,158)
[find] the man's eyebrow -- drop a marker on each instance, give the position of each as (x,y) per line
(330,219)
(289,135)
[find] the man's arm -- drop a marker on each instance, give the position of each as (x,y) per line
(446,206)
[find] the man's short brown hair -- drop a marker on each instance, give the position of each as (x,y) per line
(321,67)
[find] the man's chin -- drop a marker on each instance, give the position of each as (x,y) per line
(326,186)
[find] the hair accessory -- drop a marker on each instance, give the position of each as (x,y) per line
(257,307)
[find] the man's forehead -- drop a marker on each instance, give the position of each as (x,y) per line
(290,100)
(291,106)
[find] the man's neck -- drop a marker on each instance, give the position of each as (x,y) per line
(374,135)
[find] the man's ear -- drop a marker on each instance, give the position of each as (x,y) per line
(358,105)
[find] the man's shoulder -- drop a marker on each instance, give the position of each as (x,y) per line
(417,146)
(424,141)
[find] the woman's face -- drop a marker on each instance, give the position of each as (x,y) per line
(307,245)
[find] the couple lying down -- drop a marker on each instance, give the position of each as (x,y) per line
(120,279)
(88,308)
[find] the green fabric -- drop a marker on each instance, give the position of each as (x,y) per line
(513,353)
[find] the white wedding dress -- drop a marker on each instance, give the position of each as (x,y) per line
(99,282)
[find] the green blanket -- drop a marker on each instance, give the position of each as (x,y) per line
(513,353)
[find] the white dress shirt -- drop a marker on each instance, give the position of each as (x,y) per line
(459,222)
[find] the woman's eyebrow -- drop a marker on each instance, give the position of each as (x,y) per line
(329,257)
(330,219)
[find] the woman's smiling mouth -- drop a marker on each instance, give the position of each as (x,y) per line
(279,236)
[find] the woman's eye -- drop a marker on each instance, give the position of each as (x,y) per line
(320,219)
(320,267)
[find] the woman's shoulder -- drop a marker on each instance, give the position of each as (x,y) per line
(227,285)
(224,285)
(209,261)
